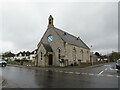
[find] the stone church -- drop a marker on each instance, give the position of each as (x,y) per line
(57,47)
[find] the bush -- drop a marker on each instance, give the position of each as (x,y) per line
(12,62)
(17,60)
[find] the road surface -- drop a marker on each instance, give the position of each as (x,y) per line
(104,76)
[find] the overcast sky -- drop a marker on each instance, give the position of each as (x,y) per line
(23,23)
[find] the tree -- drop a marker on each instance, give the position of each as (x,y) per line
(97,54)
(8,54)
(114,56)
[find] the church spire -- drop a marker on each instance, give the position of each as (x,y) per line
(50,22)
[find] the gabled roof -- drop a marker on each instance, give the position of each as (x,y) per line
(34,51)
(47,47)
(71,39)
(23,53)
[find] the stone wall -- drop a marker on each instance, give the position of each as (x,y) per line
(41,62)
(65,48)
(55,44)
(69,54)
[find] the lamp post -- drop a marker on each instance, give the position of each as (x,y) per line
(92,55)
(108,57)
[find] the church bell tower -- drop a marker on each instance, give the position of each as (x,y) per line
(50,22)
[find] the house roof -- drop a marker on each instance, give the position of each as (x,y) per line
(70,38)
(66,37)
(34,51)
(47,47)
(23,53)
(93,55)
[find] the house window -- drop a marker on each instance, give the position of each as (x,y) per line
(28,57)
(33,57)
(59,53)
(41,55)
(74,54)
(81,54)
(87,51)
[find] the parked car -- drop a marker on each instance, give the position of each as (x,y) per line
(118,64)
(3,63)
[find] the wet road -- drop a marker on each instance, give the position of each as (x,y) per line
(104,76)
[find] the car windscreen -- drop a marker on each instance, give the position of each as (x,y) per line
(2,59)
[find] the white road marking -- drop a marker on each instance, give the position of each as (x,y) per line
(100,72)
(110,75)
(84,73)
(105,69)
(77,73)
(117,76)
(107,65)
(66,72)
(61,71)
(91,74)
(111,69)
(70,72)
(100,75)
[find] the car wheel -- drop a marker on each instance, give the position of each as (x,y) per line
(116,67)
(3,65)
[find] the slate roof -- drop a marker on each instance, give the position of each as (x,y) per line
(47,47)
(70,38)
(27,53)
(22,53)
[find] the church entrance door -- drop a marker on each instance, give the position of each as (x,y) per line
(50,59)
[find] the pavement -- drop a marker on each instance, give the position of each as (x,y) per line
(1,82)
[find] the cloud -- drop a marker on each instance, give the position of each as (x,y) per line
(6,46)
(24,23)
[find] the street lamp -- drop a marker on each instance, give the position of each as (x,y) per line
(92,55)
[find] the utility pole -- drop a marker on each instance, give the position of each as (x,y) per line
(92,56)
(108,57)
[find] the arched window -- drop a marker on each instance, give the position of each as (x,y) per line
(87,51)
(59,53)
(81,52)
(74,53)
(41,55)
